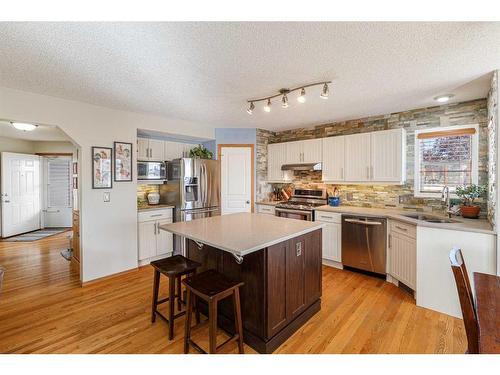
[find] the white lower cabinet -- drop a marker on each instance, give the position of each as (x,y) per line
(402,253)
(154,243)
(265,209)
(332,235)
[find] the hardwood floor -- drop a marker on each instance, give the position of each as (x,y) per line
(43,309)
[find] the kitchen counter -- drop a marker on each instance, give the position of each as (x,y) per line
(268,203)
(278,261)
(242,233)
(148,207)
(459,224)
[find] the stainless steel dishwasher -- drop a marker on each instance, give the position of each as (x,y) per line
(364,243)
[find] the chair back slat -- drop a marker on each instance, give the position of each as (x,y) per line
(466,300)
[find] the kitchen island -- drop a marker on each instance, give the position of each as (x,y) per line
(278,259)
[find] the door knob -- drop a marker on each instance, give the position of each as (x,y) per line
(247,202)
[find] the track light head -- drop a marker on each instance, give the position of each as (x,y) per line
(284,101)
(267,107)
(250,108)
(302,97)
(325,92)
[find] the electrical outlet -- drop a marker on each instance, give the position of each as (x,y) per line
(107,197)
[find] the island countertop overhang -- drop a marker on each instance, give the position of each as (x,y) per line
(242,233)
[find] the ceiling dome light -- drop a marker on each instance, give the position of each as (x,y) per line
(284,101)
(324,92)
(302,97)
(443,98)
(24,126)
(267,107)
(251,108)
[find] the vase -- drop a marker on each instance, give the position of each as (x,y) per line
(470,212)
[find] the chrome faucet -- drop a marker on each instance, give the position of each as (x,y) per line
(445,198)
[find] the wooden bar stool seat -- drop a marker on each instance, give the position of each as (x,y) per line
(174,268)
(211,286)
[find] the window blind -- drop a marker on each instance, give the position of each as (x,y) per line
(59,182)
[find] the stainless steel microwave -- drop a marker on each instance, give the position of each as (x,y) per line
(151,170)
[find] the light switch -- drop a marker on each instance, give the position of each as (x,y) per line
(107,196)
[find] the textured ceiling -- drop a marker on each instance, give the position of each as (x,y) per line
(204,71)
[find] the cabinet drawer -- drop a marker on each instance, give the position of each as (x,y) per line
(265,209)
(155,215)
(403,228)
(328,217)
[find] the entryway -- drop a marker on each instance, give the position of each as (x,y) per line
(237,177)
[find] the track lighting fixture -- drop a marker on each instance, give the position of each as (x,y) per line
(324,92)
(284,101)
(251,108)
(267,107)
(283,93)
(302,97)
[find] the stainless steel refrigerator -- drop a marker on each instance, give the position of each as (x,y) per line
(193,187)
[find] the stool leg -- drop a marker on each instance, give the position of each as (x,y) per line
(187,324)
(179,289)
(171,305)
(156,287)
(238,326)
(212,326)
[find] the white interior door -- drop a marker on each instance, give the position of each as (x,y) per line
(57,189)
(236,176)
(20,192)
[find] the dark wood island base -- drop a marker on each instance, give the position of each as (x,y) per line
(282,287)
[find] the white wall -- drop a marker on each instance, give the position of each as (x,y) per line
(108,230)
(16,145)
(32,147)
(52,146)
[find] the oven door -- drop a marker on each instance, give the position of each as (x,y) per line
(294,214)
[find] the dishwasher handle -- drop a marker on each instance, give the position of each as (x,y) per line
(356,221)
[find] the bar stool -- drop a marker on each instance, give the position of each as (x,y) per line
(174,268)
(211,286)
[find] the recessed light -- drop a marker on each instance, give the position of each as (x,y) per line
(443,98)
(24,126)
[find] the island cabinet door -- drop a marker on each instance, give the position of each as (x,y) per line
(276,288)
(312,260)
(295,277)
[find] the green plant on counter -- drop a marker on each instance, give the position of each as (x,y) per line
(470,192)
(201,152)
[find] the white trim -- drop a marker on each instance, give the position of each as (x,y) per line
(416,159)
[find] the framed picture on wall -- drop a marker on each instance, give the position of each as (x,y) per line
(122,156)
(102,168)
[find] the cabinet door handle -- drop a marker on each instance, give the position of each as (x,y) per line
(371,172)
(401,228)
(155,215)
(342,173)
(390,240)
(154,229)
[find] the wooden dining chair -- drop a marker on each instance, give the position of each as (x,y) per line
(466,300)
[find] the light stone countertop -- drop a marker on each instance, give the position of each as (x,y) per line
(268,203)
(242,233)
(460,224)
(154,207)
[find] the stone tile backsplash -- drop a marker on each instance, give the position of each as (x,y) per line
(466,113)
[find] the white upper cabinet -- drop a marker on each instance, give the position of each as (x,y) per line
(333,158)
(276,157)
(142,149)
(357,157)
(311,151)
(293,152)
(173,150)
(156,149)
(150,149)
(388,156)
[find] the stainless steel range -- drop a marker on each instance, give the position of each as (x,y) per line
(301,204)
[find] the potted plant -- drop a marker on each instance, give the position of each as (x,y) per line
(468,194)
(201,152)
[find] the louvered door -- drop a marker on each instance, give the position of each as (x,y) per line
(58,200)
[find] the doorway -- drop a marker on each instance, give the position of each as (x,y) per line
(237,177)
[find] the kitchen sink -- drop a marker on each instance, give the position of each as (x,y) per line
(429,219)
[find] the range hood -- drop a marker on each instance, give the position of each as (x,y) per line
(301,167)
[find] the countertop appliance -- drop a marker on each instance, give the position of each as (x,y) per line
(151,170)
(364,243)
(301,204)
